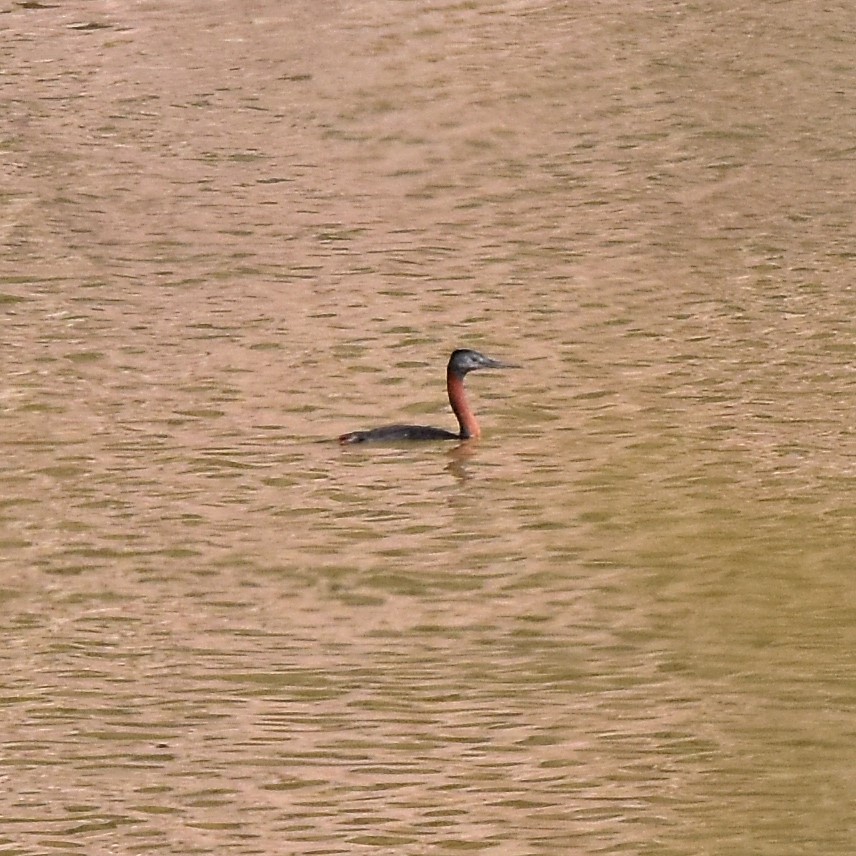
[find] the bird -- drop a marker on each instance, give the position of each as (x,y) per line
(461,363)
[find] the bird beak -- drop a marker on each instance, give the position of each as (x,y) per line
(497,364)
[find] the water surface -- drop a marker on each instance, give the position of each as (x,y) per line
(622,622)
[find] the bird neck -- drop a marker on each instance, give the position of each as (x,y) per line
(461,406)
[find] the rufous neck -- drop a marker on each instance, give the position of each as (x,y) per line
(458,399)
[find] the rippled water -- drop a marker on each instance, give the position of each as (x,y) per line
(623,621)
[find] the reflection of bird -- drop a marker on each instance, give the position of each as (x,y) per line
(461,362)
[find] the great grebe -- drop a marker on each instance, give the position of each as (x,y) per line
(461,363)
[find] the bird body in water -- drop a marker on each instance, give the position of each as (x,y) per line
(461,363)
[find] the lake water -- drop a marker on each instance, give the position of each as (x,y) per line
(623,621)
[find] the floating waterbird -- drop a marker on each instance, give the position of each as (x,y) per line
(461,363)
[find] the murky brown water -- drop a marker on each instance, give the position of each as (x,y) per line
(623,622)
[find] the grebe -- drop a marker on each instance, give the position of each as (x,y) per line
(461,362)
